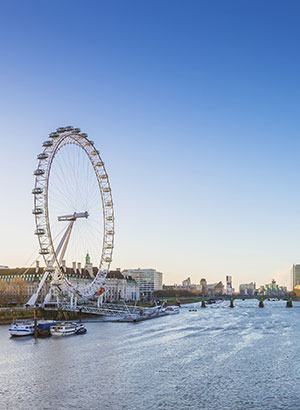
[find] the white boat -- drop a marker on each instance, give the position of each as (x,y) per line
(63,329)
(172,310)
(21,328)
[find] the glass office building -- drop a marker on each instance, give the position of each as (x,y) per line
(295,275)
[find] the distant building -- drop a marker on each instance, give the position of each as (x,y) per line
(219,288)
(272,289)
(186,283)
(4,267)
(148,280)
(295,271)
(215,289)
(203,286)
(229,286)
(261,290)
(210,289)
(248,289)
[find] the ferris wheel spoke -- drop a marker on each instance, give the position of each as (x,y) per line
(68,187)
(59,199)
(95,231)
(75,184)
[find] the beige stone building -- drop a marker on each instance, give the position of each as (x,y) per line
(118,286)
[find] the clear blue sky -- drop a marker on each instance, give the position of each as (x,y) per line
(194,106)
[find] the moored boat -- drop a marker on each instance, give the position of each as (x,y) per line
(63,329)
(80,329)
(21,328)
(45,324)
(172,310)
(43,327)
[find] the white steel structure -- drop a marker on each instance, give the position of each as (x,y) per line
(55,245)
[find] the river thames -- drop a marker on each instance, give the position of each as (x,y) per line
(214,358)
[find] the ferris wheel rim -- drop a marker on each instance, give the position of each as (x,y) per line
(60,139)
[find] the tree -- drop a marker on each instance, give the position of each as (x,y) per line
(3,292)
(18,290)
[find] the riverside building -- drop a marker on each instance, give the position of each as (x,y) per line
(21,282)
(118,286)
(148,280)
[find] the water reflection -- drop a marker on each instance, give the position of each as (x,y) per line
(214,358)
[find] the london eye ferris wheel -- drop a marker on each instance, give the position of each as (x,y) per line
(73,209)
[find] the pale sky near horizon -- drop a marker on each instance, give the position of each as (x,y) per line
(194,106)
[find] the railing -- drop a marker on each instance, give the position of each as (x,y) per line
(108,309)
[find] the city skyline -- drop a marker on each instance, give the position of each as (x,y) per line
(195,112)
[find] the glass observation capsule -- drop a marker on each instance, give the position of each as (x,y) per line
(36,191)
(37,211)
(53,135)
(39,171)
(44,251)
(40,231)
(47,143)
(60,130)
(43,155)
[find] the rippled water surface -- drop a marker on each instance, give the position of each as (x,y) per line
(215,358)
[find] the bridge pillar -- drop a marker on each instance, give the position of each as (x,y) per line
(261,303)
(203,305)
(289,303)
(231,303)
